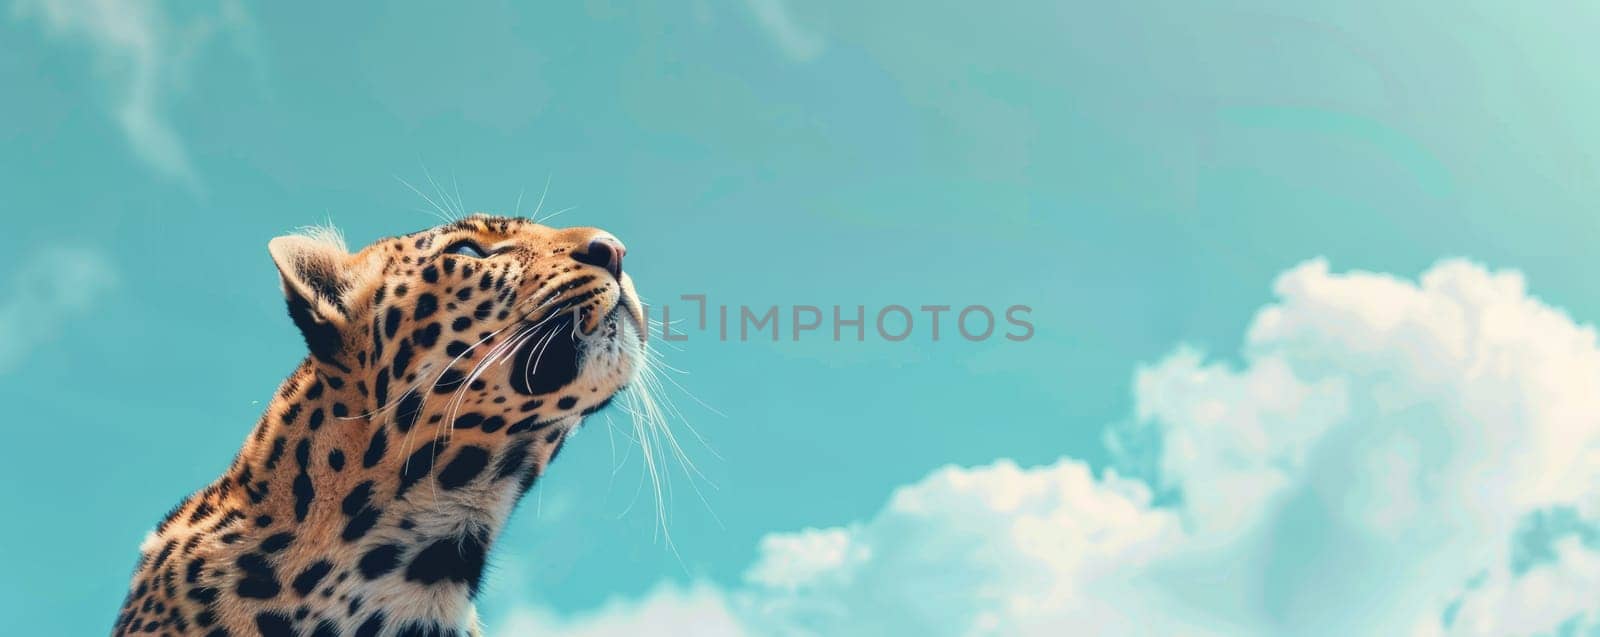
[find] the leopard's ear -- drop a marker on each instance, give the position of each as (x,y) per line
(321,284)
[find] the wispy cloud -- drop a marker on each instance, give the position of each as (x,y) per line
(144,52)
(50,287)
(796,42)
(1390,458)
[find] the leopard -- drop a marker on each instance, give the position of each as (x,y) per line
(444,371)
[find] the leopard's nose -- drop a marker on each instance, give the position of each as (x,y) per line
(604,251)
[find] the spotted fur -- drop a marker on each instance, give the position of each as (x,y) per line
(446,369)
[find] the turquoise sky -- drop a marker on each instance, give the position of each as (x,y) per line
(1138,173)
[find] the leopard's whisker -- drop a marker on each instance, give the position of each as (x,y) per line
(556,214)
(443,214)
(542,193)
(440,192)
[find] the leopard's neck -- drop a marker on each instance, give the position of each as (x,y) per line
(345,512)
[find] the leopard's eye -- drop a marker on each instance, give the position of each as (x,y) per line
(466,249)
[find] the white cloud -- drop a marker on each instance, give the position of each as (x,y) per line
(1551,599)
(1366,470)
(51,286)
(796,42)
(995,550)
(144,52)
(1381,443)
(664,612)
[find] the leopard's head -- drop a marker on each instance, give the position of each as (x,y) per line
(485,327)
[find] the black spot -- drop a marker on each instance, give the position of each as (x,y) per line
(263,520)
(326,628)
(601,405)
(257,491)
(303,493)
(430,274)
(406,414)
(455,348)
(315,420)
(371,627)
(532,405)
(276,453)
(302,453)
(357,499)
(461,323)
(379,561)
(336,460)
(511,461)
(566,402)
(340,411)
(531,423)
(192,573)
(259,581)
(315,391)
(207,618)
(453,560)
(276,542)
(428,336)
(233,515)
(358,526)
(377,341)
(290,414)
(427,304)
(468,421)
(468,463)
(493,424)
(274,624)
(375,449)
(200,512)
(357,506)
(381,388)
(203,594)
(402,358)
(448,381)
(307,580)
(391,322)
(419,465)
(424,629)
(166,552)
(484,310)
